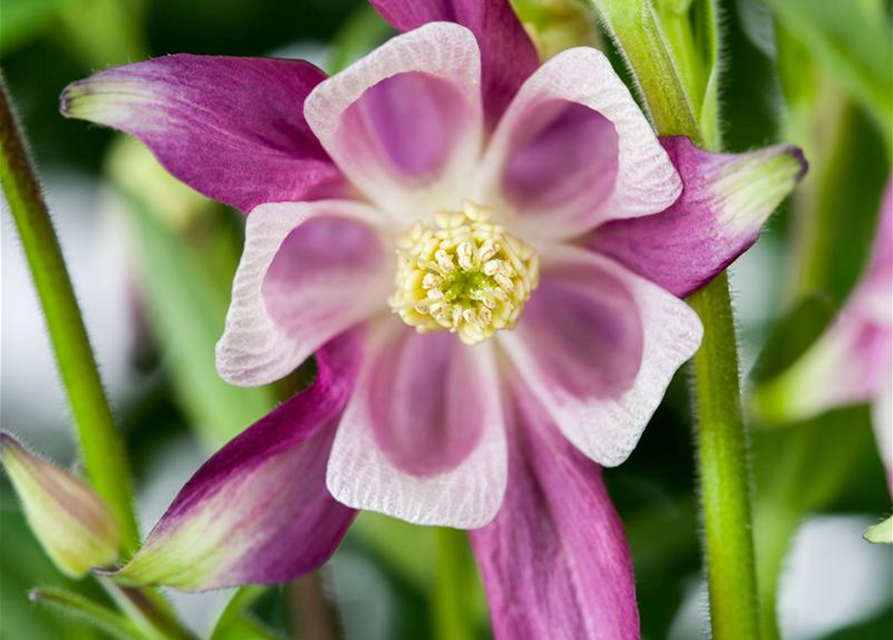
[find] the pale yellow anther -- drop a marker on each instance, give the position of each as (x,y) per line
(463,274)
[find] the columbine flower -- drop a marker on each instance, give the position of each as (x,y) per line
(852,361)
(486,256)
(74,525)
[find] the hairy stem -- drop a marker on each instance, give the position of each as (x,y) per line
(104,454)
(721,437)
(724,471)
(103,450)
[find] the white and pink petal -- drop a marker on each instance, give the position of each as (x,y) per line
(257,512)
(423,438)
(309,271)
(598,345)
(555,562)
(574,150)
(726,199)
(231,128)
(508,56)
(404,123)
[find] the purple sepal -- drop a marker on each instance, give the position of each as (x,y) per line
(725,200)
(258,511)
(555,561)
(231,128)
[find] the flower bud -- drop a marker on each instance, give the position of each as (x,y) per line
(73,524)
(881,533)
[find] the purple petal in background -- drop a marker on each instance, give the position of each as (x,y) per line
(231,128)
(258,511)
(508,56)
(555,562)
(852,361)
(725,200)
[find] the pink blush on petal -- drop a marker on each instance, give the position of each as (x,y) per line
(562,154)
(425,416)
(314,274)
(407,122)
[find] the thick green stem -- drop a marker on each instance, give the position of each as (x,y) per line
(103,450)
(724,471)
(635,27)
(721,436)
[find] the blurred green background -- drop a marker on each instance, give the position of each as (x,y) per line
(153,262)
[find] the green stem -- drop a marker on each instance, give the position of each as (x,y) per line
(721,437)
(453,613)
(74,605)
(723,468)
(634,25)
(103,451)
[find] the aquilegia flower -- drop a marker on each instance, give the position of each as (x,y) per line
(852,361)
(486,256)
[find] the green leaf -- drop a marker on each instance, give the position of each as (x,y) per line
(406,548)
(235,623)
(556,25)
(364,31)
(852,41)
(187,312)
(789,485)
(121,26)
(773,391)
(876,628)
(24,20)
(707,35)
(23,564)
(793,334)
(455,587)
(68,603)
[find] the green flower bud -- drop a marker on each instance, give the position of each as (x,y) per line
(73,524)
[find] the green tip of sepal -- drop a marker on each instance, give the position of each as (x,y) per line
(754,184)
(105,98)
(881,533)
(76,528)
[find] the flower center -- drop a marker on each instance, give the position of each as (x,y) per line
(464,274)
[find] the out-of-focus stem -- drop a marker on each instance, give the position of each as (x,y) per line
(312,615)
(103,450)
(818,204)
(453,613)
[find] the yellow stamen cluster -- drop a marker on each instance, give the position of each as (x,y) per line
(463,274)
